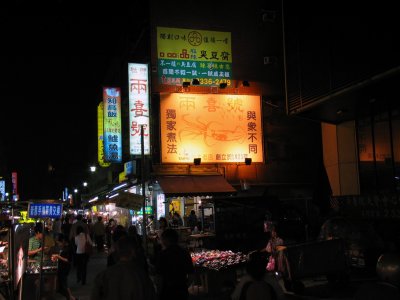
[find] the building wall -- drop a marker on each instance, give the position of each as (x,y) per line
(292,146)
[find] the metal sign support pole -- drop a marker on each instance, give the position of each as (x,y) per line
(143,187)
(41,262)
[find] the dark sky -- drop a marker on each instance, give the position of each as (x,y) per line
(53,68)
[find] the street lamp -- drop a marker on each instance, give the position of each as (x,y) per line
(85,184)
(92,169)
(75,191)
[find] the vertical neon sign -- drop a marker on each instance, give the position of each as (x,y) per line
(112,124)
(139,108)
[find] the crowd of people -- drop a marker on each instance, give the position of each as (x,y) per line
(130,274)
(133,273)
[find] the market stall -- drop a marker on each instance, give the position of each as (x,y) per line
(6,288)
(215,269)
(40,276)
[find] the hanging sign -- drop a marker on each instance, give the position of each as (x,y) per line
(45,210)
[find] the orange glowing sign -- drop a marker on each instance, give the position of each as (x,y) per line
(216,128)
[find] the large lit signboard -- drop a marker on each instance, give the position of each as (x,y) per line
(45,210)
(214,127)
(185,54)
(139,108)
(2,190)
(112,124)
(14,181)
(100,136)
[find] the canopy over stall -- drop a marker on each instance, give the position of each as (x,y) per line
(123,199)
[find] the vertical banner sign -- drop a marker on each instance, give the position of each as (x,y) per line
(100,136)
(216,128)
(2,190)
(139,108)
(186,54)
(112,124)
(14,181)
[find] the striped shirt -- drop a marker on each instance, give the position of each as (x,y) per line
(34,244)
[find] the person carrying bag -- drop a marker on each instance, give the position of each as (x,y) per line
(88,246)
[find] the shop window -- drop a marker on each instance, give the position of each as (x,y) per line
(383,153)
(396,145)
(366,156)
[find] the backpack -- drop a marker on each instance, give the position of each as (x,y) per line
(246,286)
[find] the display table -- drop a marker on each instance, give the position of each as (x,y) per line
(32,278)
(215,269)
(197,241)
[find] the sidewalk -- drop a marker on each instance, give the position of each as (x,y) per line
(97,262)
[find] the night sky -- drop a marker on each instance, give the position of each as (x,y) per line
(53,68)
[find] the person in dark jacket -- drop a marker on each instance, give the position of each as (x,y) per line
(174,266)
(125,279)
(64,265)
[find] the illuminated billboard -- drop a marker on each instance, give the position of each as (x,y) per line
(100,136)
(112,124)
(139,108)
(214,127)
(186,54)
(2,190)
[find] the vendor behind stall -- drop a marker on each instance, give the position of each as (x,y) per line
(35,244)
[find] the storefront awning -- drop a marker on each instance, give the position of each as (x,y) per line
(124,200)
(204,185)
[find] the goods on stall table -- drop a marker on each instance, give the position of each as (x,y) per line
(217,260)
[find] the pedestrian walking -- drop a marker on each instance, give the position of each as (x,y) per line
(125,279)
(81,256)
(99,231)
(174,267)
(63,257)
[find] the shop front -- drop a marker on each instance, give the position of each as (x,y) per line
(185,193)
(40,273)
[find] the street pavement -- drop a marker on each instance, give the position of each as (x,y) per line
(97,262)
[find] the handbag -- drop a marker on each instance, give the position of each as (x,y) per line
(271,263)
(88,246)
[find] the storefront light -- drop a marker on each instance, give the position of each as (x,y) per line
(119,186)
(94,199)
(115,195)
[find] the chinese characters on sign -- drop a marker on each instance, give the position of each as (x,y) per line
(14,181)
(42,210)
(2,190)
(112,125)
(139,109)
(185,54)
(100,136)
(216,128)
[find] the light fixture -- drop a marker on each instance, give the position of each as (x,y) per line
(92,168)
(248,161)
(185,84)
(197,161)
(245,83)
(75,191)
(85,184)
(223,85)
(195,81)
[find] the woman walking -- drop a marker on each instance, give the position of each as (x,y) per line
(81,255)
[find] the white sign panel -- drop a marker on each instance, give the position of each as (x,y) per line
(2,190)
(139,108)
